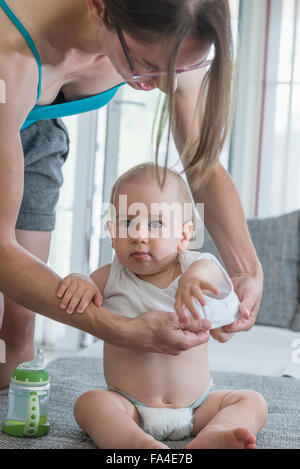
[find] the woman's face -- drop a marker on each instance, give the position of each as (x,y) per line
(150,58)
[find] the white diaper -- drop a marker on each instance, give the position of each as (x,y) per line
(164,423)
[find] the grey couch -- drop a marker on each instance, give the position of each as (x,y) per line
(277,241)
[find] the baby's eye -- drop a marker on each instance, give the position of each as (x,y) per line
(155,224)
(124,223)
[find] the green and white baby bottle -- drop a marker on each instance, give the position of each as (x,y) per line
(28,398)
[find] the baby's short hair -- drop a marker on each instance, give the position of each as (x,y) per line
(151,169)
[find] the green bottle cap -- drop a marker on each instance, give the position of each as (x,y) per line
(33,372)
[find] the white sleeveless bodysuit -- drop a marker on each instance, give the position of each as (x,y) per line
(127,295)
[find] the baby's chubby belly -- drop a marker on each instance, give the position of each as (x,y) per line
(155,379)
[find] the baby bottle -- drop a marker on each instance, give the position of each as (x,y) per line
(28,398)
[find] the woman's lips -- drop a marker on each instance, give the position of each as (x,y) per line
(145,86)
(143,256)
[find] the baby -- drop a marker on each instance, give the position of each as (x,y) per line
(151,397)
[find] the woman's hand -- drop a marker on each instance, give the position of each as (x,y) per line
(162,332)
(249,290)
(77,291)
(191,287)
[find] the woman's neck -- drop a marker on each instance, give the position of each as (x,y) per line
(70,28)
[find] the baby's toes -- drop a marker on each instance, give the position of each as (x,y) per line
(251,443)
(245,437)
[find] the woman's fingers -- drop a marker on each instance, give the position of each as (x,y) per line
(249,304)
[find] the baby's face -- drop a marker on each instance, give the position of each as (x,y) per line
(149,228)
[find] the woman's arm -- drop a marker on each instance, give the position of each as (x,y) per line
(23,277)
(224,216)
(29,281)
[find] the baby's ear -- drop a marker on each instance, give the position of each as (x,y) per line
(110,228)
(187,231)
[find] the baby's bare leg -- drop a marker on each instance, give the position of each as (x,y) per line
(112,421)
(229,419)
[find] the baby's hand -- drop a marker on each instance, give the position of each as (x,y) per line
(77,291)
(190,287)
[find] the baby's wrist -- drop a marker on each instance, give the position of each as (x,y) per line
(193,277)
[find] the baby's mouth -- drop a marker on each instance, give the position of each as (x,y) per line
(140,256)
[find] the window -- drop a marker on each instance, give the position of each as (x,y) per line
(69,249)
(279,165)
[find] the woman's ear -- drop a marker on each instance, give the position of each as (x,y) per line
(96,11)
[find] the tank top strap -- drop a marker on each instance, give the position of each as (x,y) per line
(114,275)
(27,38)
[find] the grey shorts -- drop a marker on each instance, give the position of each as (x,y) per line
(46,146)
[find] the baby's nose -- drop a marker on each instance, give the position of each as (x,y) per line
(139,231)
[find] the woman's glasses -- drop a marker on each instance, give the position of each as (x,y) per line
(135,76)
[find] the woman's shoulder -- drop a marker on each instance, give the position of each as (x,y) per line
(19,77)
(19,85)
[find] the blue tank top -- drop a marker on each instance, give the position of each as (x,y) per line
(53,111)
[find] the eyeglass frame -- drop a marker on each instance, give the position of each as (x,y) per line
(136,77)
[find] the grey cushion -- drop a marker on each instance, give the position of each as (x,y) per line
(72,376)
(276,240)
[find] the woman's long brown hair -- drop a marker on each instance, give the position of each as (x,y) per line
(151,20)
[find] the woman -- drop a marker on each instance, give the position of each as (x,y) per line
(71,50)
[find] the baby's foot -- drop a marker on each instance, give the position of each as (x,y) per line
(239,438)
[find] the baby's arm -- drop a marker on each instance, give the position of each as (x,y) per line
(202,275)
(100,277)
(77,291)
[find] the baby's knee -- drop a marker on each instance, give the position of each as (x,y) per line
(82,406)
(253,399)
(257,399)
